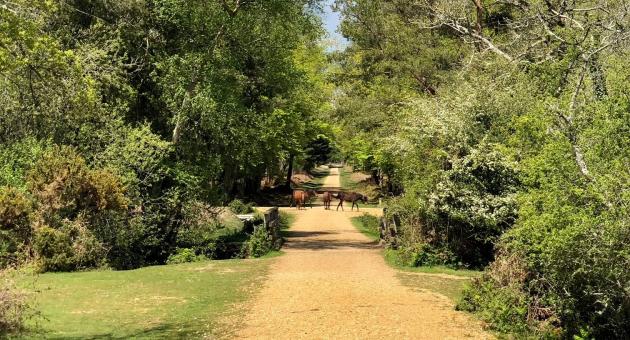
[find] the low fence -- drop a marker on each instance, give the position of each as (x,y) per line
(389,229)
(271,219)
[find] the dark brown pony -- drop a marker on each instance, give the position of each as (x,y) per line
(327,198)
(301,197)
(350,197)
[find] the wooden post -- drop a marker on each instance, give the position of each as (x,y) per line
(271,219)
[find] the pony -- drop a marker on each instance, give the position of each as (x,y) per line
(353,197)
(301,197)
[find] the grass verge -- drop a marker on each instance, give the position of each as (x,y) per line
(439,279)
(173,301)
(367,225)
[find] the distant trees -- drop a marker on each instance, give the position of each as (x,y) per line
(318,151)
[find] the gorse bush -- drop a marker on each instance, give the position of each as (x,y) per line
(15,309)
(15,229)
(66,214)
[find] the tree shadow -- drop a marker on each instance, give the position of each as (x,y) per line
(327,244)
(161,331)
(310,240)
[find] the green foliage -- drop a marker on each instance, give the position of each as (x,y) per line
(73,247)
(118,115)
(499,145)
(318,151)
(422,254)
(260,242)
(286,219)
(503,307)
(17,159)
(70,215)
(239,207)
(184,255)
(15,230)
(64,186)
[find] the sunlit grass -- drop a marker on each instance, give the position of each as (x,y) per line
(439,279)
(173,301)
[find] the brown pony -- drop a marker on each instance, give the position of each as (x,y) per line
(350,197)
(301,197)
(327,197)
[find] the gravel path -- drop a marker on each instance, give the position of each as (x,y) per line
(333,283)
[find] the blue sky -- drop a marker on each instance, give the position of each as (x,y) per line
(331,23)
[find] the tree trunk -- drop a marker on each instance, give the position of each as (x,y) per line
(478,23)
(290,171)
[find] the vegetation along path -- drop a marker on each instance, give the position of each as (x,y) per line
(333,283)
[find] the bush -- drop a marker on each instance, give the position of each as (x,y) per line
(185,255)
(422,254)
(200,229)
(15,230)
(238,207)
(65,187)
(260,243)
(503,308)
(458,219)
(72,247)
(14,307)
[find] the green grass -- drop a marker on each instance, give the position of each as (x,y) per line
(450,287)
(439,279)
(286,220)
(413,277)
(319,175)
(391,259)
(367,225)
(174,301)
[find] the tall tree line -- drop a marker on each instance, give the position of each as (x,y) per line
(501,130)
(117,116)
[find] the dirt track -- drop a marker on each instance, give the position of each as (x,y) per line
(333,283)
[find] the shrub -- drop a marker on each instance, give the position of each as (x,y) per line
(458,219)
(199,229)
(64,187)
(260,242)
(79,212)
(15,230)
(422,254)
(185,255)
(238,207)
(14,307)
(503,308)
(69,248)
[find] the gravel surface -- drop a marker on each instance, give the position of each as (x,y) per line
(333,283)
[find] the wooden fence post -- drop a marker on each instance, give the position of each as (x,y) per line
(271,219)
